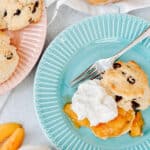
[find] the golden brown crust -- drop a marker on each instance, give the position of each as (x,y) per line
(41,11)
(118,80)
(128,81)
(17,14)
(8,57)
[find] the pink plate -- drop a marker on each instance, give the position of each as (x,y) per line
(29,43)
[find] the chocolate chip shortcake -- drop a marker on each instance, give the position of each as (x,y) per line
(110,106)
(17,14)
(128,83)
(8,57)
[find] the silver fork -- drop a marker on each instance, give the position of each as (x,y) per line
(96,69)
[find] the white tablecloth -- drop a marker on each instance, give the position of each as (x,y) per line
(19,107)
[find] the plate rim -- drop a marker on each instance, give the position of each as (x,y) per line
(50,137)
(8,89)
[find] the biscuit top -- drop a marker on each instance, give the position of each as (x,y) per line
(125,79)
(8,57)
(17,14)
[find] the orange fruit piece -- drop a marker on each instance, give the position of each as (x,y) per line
(14,141)
(7,130)
(120,125)
(137,125)
(74,118)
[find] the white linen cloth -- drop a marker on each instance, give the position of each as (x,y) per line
(123,6)
(3,100)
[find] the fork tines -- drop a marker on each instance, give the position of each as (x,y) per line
(90,73)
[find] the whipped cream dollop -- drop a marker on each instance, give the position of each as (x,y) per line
(91,101)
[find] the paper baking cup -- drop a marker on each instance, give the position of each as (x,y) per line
(29,43)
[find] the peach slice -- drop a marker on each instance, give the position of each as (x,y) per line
(137,125)
(7,130)
(14,141)
(74,118)
(116,127)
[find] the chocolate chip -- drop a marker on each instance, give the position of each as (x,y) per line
(5,13)
(134,99)
(130,132)
(118,98)
(131,80)
(30,20)
(135,105)
(9,55)
(102,72)
(128,66)
(35,6)
(17,13)
(116,65)
(123,73)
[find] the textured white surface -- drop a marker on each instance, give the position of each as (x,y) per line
(19,106)
(122,6)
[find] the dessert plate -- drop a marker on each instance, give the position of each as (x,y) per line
(68,55)
(29,43)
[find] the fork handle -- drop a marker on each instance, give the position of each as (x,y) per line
(142,36)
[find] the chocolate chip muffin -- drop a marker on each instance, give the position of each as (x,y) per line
(8,57)
(17,14)
(128,83)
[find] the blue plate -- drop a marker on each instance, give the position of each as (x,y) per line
(68,55)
